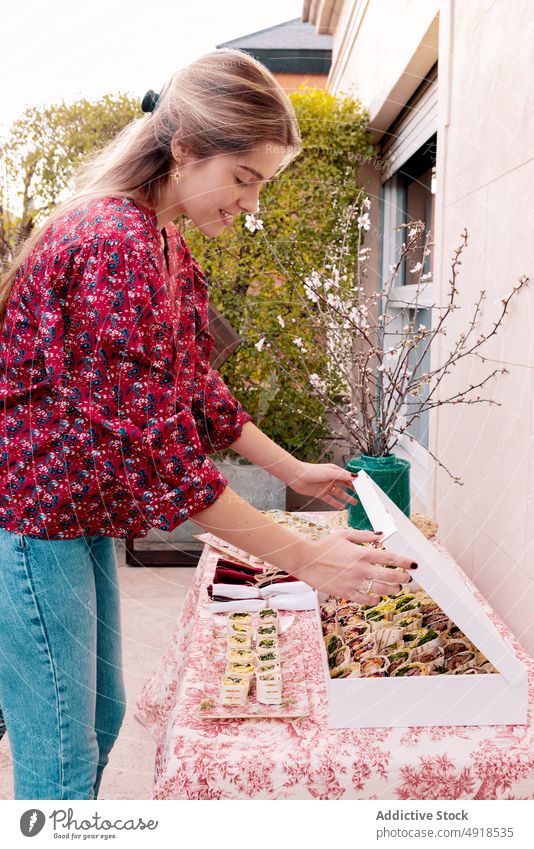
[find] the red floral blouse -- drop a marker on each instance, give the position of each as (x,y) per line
(108,403)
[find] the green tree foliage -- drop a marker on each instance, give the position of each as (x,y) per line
(302,213)
(38,159)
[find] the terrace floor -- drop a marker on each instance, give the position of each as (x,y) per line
(151,602)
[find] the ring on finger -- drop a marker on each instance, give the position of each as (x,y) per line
(368,587)
(332,489)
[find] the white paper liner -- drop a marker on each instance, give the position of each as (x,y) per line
(385,636)
(269,688)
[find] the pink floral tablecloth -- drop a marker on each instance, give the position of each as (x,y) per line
(304,758)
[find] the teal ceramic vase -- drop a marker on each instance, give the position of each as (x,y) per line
(392,475)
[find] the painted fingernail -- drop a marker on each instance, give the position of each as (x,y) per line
(410,579)
(354,474)
(414,566)
(378,533)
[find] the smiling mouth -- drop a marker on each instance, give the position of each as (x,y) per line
(226,217)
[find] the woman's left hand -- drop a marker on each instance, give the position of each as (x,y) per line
(326,481)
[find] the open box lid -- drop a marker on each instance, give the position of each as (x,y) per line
(439,578)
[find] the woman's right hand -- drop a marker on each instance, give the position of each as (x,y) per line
(335,565)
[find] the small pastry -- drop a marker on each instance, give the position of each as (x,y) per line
(411,669)
(333,642)
(440,623)
(387,635)
(266,644)
(240,617)
(460,661)
(453,647)
(266,631)
(354,629)
(432,657)
(399,658)
(339,661)
(238,641)
(374,665)
(267,656)
(410,622)
(240,628)
(365,648)
(421,641)
(271,666)
(234,668)
(234,690)
(241,656)
(268,616)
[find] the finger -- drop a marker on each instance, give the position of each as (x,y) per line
(363,536)
(389,558)
(347,497)
(379,588)
(334,502)
(390,576)
(346,478)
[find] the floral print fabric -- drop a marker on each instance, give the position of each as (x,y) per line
(304,758)
(109,403)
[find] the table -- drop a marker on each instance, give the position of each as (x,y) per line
(304,758)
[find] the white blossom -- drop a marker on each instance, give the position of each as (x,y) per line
(281,321)
(310,286)
(366,203)
(364,221)
(260,343)
(317,383)
(417,267)
(392,355)
(253,223)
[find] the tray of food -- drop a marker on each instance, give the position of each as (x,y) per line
(402,635)
(255,667)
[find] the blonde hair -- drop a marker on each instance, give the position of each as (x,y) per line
(225,101)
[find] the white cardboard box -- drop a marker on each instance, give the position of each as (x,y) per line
(493,699)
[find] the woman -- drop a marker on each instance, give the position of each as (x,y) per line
(110,410)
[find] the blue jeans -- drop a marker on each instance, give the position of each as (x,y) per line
(61,685)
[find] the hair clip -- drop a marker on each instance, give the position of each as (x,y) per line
(149,101)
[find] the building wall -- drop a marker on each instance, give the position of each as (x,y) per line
(381,50)
(291,82)
(485,179)
(485,173)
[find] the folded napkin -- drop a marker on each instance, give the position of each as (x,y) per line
(252,588)
(299,601)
